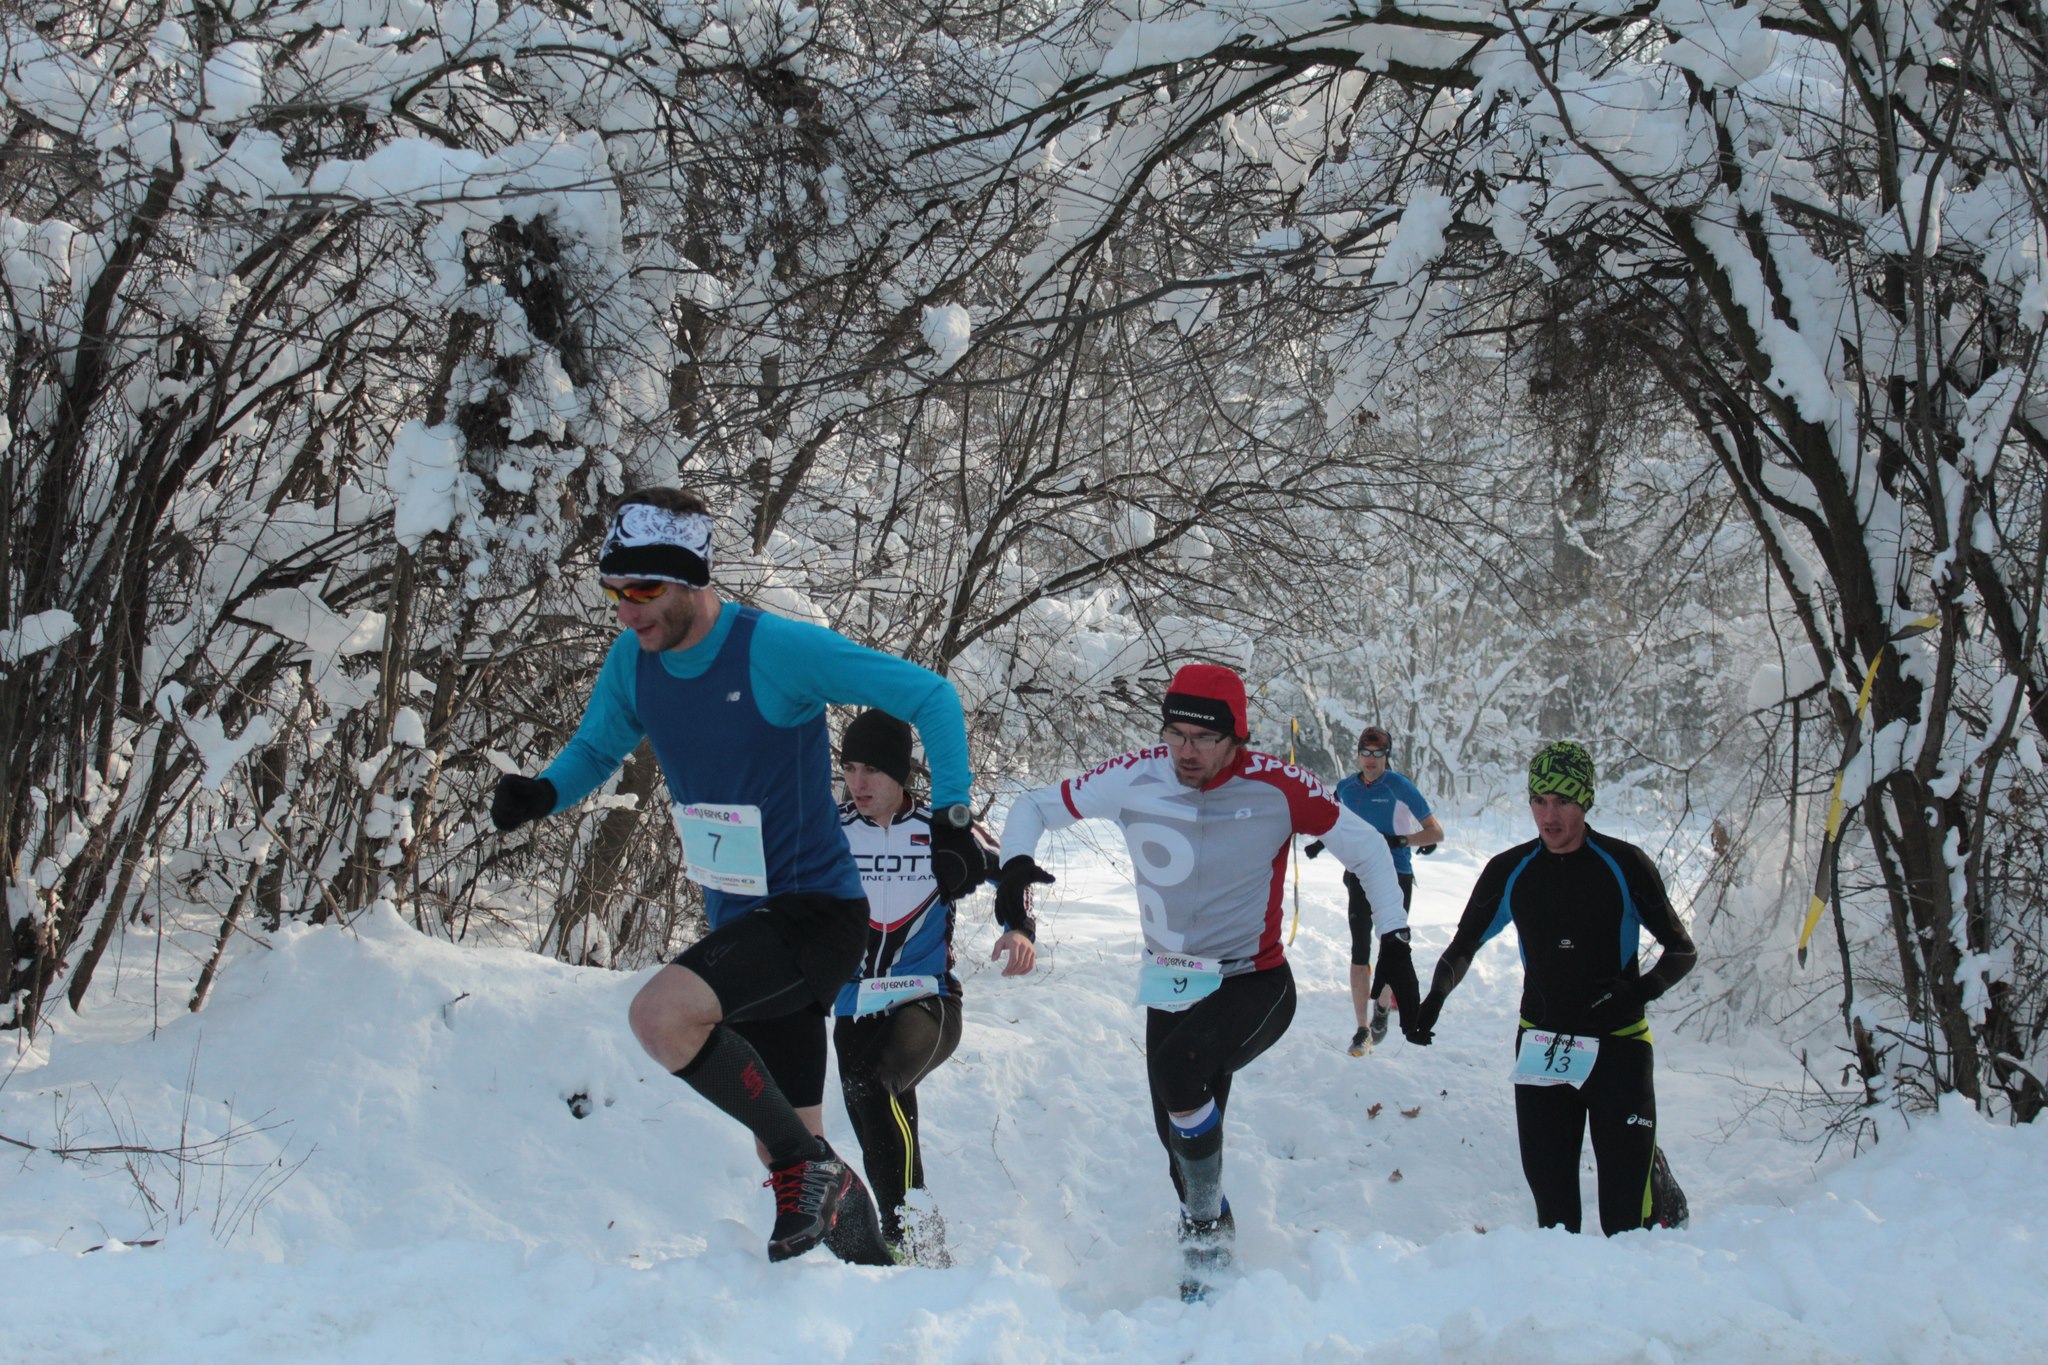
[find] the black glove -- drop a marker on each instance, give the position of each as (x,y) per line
(519,799)
(1313,849)
(1397,969)
(1421,1030)
(1013,894)
(958,864)
(1426,850)
(1615,1004)
(1396,840)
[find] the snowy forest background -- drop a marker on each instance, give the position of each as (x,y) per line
(1657,375)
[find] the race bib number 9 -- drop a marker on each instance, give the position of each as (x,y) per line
(1555,1059)
(1173,981)
(722,847)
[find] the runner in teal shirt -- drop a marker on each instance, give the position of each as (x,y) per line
(1391,804)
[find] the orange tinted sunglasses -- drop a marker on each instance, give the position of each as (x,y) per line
(634,592)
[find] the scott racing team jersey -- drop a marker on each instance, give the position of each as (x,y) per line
(910,929)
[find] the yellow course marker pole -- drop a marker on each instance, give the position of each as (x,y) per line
(1294,853)
(1817,903)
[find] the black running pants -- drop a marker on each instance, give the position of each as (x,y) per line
(1618,1103)
(882,1057)
(1191,1053)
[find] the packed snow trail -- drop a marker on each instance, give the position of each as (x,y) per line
(451,1205)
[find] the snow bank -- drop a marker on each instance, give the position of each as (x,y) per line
(411,1183)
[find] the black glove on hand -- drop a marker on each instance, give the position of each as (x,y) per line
(519,799)
(1421,1031)
(1013,894)
(1615,1004)
(1313,849)
(1426,850)
(958,864)
(1396,840)
(1397,969)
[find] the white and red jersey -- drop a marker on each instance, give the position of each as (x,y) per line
(1210,863)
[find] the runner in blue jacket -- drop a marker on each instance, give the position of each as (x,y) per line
(733,700)
(1391,804)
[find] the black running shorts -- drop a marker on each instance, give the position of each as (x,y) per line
(794,953)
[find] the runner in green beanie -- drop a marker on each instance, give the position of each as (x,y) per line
(1565,768)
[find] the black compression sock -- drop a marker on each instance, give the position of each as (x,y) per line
(1199,1159)
(729,1073)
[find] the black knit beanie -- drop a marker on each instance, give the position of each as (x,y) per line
(879,740)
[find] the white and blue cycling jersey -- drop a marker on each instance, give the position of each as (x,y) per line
(910,929)
(1391,805)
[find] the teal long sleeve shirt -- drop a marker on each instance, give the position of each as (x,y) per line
(798,669)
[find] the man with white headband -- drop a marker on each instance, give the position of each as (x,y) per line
(733,699)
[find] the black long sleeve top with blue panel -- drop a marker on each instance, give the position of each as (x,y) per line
(1579,917)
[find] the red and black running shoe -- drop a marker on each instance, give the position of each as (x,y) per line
(807,1197)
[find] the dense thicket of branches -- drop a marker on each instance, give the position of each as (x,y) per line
(1816,227)
(1498,372)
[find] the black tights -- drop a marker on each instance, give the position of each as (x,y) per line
(882,1057)
(1619,1103)
(1190,1054)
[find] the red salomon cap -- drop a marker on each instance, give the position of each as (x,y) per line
(1208,695)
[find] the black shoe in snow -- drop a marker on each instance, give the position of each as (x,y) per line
(807,1199)
(1361,1042)
(1379,1023)
(1668,1208)
(856,1236)
(1205,1253)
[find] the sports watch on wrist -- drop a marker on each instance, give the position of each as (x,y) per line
(955,816)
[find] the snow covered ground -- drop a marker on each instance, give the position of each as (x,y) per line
(410,1182)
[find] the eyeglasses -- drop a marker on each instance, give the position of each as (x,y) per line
(1374,753)
(634,592)
(1202,741)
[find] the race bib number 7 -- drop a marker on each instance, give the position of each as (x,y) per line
(1555,1059)
(1173,981)
(722,847)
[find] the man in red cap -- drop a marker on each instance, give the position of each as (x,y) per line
(1208,822)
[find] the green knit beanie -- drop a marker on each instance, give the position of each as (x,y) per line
(1565,768)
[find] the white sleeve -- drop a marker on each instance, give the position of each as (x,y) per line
(1096,794)
(1363,851)
(1031,815)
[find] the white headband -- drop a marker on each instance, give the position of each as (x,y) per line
(654,543)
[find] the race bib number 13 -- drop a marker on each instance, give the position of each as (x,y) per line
(722,846)
(1555,1059)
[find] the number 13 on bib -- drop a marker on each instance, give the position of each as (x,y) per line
(1555,1059)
